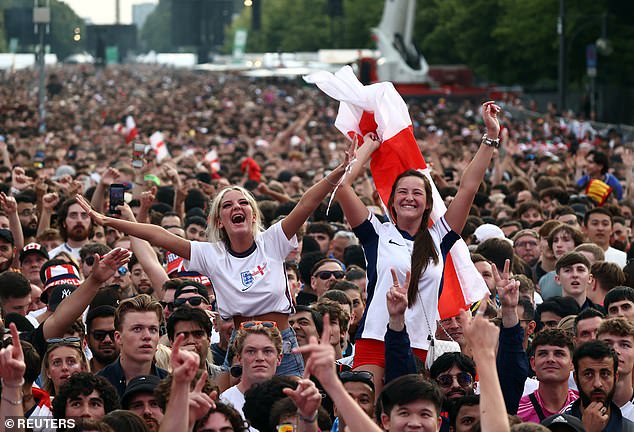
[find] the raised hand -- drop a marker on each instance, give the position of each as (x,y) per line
(12,365)
(50,201)
(110,176)
(96,217)
(199,401)
(184,363)
(479,333)
(490,113)
(19,179)
(507,288)
(321,361)
(306,397)
(397,297)
(105,266)
(8,204)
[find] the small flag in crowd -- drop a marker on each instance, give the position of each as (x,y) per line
(212,159)
(158,145)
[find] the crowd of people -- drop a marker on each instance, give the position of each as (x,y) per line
(225,292)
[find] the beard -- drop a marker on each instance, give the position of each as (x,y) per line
(78,233)
(105,359)
(606,398)
(29,231)
(5,265)
(151,422)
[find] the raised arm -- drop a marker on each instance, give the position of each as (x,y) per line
(313,197)
(12,367)
(353,208)
(155,234)
(74,305)
(458,210)
(109,177)
(320,364)
(145,254)
(49,202)
(482,335)
(10,206)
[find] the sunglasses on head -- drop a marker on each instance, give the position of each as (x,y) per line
(446,380)
(326,274)
(248,325)
(101,334)
(66,340)
(193,301)
(364,375)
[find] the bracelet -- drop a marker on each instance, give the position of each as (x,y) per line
(308,419)
(13,402)
(4,384)
(329,182)
(490,141)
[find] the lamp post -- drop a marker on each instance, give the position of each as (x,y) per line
(561,79)
(41,20)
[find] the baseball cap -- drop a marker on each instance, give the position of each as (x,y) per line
(33,248)
(58,293)
(139,384)
(63,170)
(59,275)
(487,231)
(191,286)
(563,421)
(6,235)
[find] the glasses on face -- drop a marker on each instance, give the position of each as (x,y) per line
(66,340)
(193,301)
(446,380)
(169,306)
(327,274)
(248,325)
(27,212)
(100,335)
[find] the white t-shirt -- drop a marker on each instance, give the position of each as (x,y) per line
(616,256)
(387,247)
(64,247)
(235,398)
(251,284)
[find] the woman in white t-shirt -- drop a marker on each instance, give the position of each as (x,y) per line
(244,263)
(408,245)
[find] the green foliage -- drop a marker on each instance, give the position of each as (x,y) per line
(156,32)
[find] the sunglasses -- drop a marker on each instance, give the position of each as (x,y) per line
(327,274)
(67,340)
(364,375)
(169,306)
(193,301)
(101,334)
(90,260)
(248,325)
(123,270)
(446,380)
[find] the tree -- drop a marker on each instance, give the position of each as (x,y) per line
(156,31)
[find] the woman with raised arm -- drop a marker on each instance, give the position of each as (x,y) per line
(409,244)
(245,264)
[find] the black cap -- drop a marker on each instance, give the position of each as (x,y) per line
(189,286)
(33,248)
(6,235)
(561,421)
(58,293)
(140,384)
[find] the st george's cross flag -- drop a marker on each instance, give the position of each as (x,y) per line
(379,108)
(158,146)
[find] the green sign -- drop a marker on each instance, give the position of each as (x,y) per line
(239,43)
(112,55)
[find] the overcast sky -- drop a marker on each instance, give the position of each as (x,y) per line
(103,11)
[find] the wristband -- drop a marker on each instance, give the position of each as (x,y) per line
(490,141)
(308,419)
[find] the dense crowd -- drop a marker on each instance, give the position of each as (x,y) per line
(224,291)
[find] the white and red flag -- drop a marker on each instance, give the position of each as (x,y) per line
(379,108)
(131,131)
(158,146)
(212,159)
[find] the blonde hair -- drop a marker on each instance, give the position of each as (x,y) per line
(214,232)
(272,333)
(138,303)
(47,383)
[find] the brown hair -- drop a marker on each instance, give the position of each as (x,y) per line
(424,249)
(139,303)
(272,333)
(616,326)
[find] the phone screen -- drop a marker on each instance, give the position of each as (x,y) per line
(137,155)
(117,192)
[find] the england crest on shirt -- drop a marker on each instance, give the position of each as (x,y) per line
(249,277)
